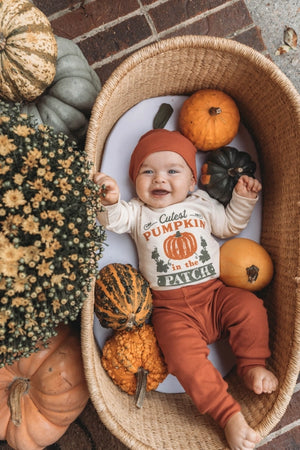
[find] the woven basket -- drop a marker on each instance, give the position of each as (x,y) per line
(270,108)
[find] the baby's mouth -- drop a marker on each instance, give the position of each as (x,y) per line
(159,192)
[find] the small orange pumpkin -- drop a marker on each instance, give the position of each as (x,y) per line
(245,264)
(209,118)
(180,245)
(133,360)
(41,395)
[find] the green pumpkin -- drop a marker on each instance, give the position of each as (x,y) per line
(222,169)
(67,103)
(122,297)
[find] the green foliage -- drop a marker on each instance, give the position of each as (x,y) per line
(49,243)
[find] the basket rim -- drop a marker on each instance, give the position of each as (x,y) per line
(260,61)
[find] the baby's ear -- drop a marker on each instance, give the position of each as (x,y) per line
(193,184)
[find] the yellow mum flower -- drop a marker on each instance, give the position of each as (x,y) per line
(6,145)
(20,301)
(64,185)
(65,163)
(43,127)
(49,252)
(8,225)
(47,193)
(49,175)
(18,179)
(3,318)
(10,254)
(31,253)
(44,268)
(19,284)
(9,269)
(36,184)
(13,198)
(4,119)
(55,305)
(30,225)
(46,234)
(55,244)
(3,169)
(57,278)
(22,130)
(33,157)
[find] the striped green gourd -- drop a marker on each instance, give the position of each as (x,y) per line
(122,297)
(28,51)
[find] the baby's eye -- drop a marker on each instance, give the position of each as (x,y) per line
(148,171)
(172,171)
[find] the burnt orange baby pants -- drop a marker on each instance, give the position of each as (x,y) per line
(187,319)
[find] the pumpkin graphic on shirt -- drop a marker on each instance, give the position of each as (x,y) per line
(180,245)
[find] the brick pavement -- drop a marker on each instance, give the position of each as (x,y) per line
(108,31)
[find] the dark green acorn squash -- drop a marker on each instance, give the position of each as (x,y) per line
(122,297)
(222,169)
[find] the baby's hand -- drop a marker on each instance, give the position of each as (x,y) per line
(248,187)
(109,191)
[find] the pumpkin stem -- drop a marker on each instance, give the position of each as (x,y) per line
(17,389)
(2,41)
(214,111)
(131,321)
(252,273)
(233,171)
(140,392)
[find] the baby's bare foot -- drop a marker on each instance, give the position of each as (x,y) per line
(239,435)
(260,380)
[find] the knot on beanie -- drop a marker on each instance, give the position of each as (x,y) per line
(159,140)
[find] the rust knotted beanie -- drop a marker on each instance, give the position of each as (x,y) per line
(159,140)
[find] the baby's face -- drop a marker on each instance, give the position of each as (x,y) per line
(164,178)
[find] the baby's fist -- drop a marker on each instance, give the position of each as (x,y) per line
(248,187)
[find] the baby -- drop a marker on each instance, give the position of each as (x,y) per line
(172,224)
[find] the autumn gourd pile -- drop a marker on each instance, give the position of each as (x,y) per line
(49,248)
(131,356)
(48,74)
(210,118)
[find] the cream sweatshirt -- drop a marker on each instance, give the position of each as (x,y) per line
(176,245)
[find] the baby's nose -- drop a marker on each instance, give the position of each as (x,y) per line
(159,178)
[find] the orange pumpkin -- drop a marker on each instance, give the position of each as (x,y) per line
(209,118)
(180,245)
(41,395)
(245,264)
(133,360)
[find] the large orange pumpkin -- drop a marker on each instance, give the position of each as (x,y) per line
(245,264)
(209,118)
(41,395)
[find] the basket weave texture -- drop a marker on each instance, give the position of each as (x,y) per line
(270,108)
